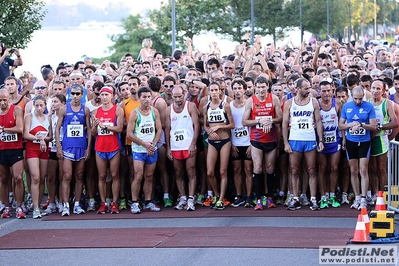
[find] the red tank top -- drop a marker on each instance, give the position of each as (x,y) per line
(9,141)
(107,141)
(259,110)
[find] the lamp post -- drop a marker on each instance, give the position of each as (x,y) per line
(300,19)
(328,18)
(173,26)
(252,22)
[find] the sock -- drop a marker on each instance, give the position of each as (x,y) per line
(91,199)
(312,198)
(183,197)
(191,197)
(165,195)
(11,194)
(368,193)
(357,197)
(296,198)
(257,184)
(76,203)
(323,197)
(332,194)
(210,193)
(281,193)
(270,184)
(327,195)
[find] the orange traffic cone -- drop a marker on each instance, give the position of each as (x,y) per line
(380,204)
(366,220)
(360,235)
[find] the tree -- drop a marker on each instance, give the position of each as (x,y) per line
(18,21)
(135,30)
(192,18)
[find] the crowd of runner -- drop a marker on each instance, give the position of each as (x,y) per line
(260,127)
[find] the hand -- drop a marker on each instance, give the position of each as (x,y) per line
(214,136)
(87,153)
(320,147)
(150,148)
(343,146)
(43,146)
(169,154)
(287,148)
(59,153)
(234,151)
(246,36)
(248,152)
(192,150)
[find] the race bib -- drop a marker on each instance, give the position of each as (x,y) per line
(39,135)
(74,131)
(179,135)
(359,132)
(9,137)
(103,131)
(240,132)
(215,116)
(304,123)
(329,136)
(147,129)
(260,126)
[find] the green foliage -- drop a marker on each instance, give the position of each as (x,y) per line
(192,18)
(135,30)
(18,21)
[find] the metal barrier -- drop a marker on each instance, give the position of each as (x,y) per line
(392,197)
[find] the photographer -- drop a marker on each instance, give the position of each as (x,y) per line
(6,62)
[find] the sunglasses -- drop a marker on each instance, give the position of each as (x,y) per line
(40,88)
(168,86)
(67,80)
(97,93)
(75,79)
(75,93)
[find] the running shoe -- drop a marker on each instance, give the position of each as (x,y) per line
(92,206)
(10,199)
(351,196)
(14,205)
(181,205)
(2,206)
(190,204)
(280,200)
(19,213)
(249,203)
(6,213)
(214,200)
(355,204)
(167,202)
(226,202)
(45,205)
(30,203)
(314,206)
(60,207)
(122,205)
(219,205)
(238,201)
(208,201)
(24,208)
(362,204)
(294,205)
(78,210)
(303,200)
(200,199)
(264,201)
(334,202)
(151,206)
(36,213)
(258,206)
(135,208)
(369,201)
(65,210)
(324,203)
(288,200)
(103,208)
(50,208)
(344,199)
(270,203)
(114,208)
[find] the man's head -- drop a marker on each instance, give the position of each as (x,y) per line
(76,77)
(123,89)
(262,85)
(378,89)
(155,84)
(341,93)
(228,69)
(365,82)
(58,87)
(212,65)
(40,88)
(303,87)
(11,84)
(4,99)
(144,95)
(178,95)
(250,86)
(357,95)
(239,87)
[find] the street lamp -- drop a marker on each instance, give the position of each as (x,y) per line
(173,26)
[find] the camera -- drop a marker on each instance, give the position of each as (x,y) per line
(12,50)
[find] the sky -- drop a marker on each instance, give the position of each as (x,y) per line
(136,5)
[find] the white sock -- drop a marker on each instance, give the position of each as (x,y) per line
(76,203)
(332,194)
(165,195)
(210,193)
(183,197)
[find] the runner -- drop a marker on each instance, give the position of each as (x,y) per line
(358,118)
(262,113)
(11,154)
(217,123)
(74,118)
(107,124)
(181,148)
(144,129)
